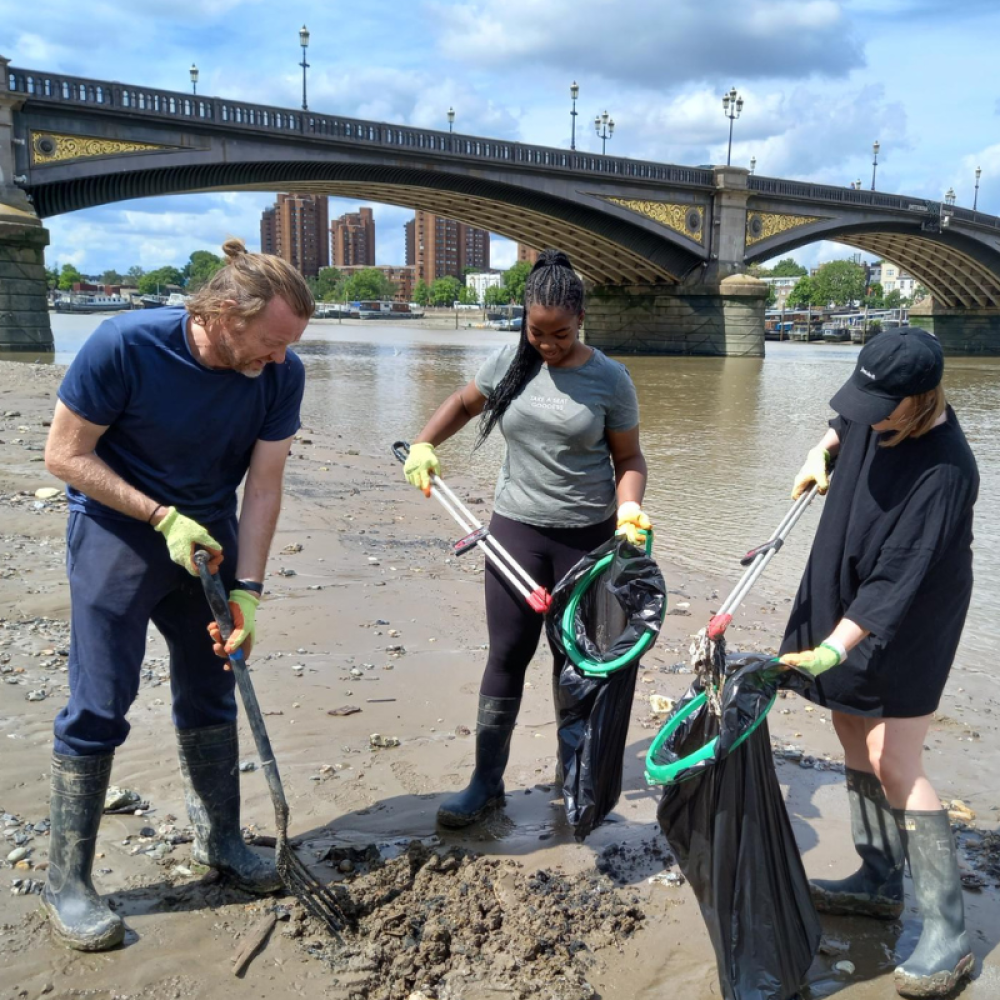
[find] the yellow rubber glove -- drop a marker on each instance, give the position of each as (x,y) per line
(182,535)
(814,471)
(816,661)
(243,608)
(422,461)
(633,524)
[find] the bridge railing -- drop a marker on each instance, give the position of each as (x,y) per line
(862,199)
(50,88)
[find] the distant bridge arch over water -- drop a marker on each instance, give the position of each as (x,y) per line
(665,246)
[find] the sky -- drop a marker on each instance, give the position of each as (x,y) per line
(821,80)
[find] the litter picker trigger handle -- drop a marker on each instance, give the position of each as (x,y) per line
(470,541)
(773,545)
(401,449)
(216,595)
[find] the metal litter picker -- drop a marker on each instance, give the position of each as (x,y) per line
(478,536)
(317,898)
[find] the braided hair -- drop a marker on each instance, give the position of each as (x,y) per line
(554,284)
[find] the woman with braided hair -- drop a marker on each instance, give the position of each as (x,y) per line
(573,475)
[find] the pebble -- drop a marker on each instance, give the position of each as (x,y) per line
(661,704)
(346,866)
(18,854)
(286,572)
(120,798)
(248,765)
(40,695)
(377,740)
(846,967)
(48,493)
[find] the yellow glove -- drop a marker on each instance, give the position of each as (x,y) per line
(243,608)
(422,461)
(814,471)
(633,524)
(816,661)
(182,535)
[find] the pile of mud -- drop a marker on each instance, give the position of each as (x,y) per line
(457,925)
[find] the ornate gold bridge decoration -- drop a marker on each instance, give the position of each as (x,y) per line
(763,225)
(54,147)
(688,220)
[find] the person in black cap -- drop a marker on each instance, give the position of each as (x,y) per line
(877,621)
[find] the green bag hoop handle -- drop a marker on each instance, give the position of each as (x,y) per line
(667,774)
(596,668)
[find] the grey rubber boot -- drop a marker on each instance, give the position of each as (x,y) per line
(876,888)
(79,917)
(943,956)
(485,791)
(210,765)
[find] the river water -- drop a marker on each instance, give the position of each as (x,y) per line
(723,438)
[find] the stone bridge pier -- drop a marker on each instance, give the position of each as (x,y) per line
(24,312)
(717,309)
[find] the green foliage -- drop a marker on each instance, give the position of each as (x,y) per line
(52,276)
(134,273)
(496,295)
(514,279)
(787,267)
(152,281)
(920,293)
(874,326)
(772,296)
(467,296)
(803,294)
(840,282)
(369,283)
(892,299)
(327,286)
(876,295)
(200,268)
(421,293)
(445,291)
(111,277)
(68,277)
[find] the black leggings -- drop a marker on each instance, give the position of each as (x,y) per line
(547,554)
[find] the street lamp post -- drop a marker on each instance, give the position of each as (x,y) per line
(574,93)
(451,119)
(753,165)
(304,42)
(875,148)
(950,196)
(732,108)
(975,200)
(194,79)
(604,125)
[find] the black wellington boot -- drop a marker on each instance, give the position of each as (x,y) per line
(485,791)
(210,765)
(876,888)
(79,917)
(943,956)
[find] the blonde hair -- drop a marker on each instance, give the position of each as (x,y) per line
(923,413)
(250,280)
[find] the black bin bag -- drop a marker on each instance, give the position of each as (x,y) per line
(606,612)
(725,820)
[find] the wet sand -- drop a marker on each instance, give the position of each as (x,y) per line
(374,561)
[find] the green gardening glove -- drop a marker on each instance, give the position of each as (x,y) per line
(182,534)
(420,464)
(243,608)
(816,661)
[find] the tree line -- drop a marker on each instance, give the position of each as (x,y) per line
(840,282)
(200,267)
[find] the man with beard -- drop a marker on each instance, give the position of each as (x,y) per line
(160,417)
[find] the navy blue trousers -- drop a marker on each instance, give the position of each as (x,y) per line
(121,578)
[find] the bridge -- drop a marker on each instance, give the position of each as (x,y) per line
(665,248)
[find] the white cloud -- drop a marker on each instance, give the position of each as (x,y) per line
(653,44)
(503,253)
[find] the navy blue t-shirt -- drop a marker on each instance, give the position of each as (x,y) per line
(180,432)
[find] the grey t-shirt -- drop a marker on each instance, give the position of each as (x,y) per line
(557,472)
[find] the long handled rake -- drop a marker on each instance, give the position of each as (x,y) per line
(317,898)
(538,598)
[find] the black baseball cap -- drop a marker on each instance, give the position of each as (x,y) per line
(891,366)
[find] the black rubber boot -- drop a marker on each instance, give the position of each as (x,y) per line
(943,956)
(79,917)
(485,791)
(210,765)
(876,888)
